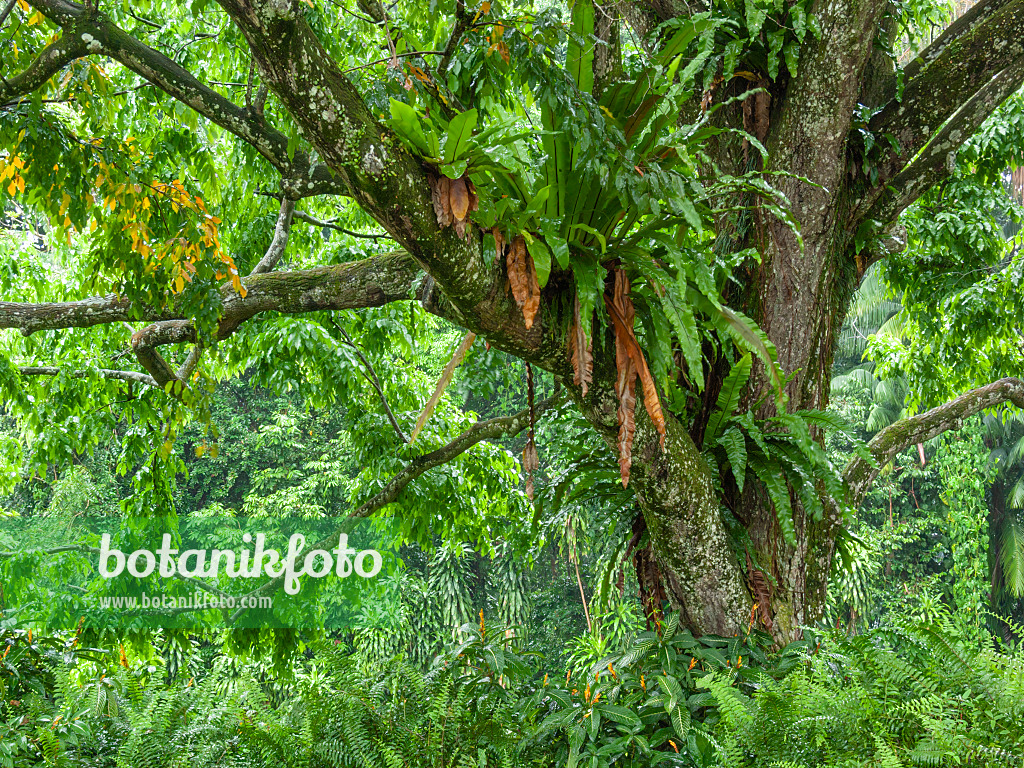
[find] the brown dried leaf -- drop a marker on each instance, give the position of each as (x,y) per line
(531,463)
(459,197)
(522,277)
(581,350)
(443,382)
(625,380)
(474,199)
(622,314)
(439,190)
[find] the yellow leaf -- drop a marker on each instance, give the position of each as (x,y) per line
(21,183)
(213,451)
(179,284)
(25,7)
(11,189)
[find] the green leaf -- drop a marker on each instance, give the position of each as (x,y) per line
(735,445)
(728,398)
(455,170)
(558,245)
(579,59)
(541,258)
(619,715)
(770,473)
(756,16)
(406,123)
(791,51)
(460,132)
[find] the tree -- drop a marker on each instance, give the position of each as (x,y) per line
(740,287)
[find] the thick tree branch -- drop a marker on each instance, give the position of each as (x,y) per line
(145,343)
(935,161)
(976,15)
(962,78)
(892,440)
(388,182)
(369,282)
(88,31)
(52,60)
(106,373)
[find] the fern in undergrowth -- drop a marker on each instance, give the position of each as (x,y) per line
(461,712)
(905,695)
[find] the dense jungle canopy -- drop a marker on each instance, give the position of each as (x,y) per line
(679,291)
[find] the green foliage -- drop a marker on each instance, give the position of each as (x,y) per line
(964,475)
(908,694)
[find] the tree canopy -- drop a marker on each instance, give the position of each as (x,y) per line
(662,210)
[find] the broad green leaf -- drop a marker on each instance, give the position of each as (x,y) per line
(406,123)
(541,258)
(460,131)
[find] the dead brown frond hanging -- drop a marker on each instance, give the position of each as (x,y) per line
(530,461)
(443,382)
(581,349)
(453,201)
(522,277)
(499,243)
(630,364)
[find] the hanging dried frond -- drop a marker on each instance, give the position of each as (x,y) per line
(453,201)
(440,189)
(443,382)
(630,363)
(581,349)
(530,461)
(464,200)
(625,366)
(522,277)
(459,197)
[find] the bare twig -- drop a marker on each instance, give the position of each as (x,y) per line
(331,225)
(397,56)
(371,376)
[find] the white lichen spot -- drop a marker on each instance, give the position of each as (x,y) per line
(371,163)
(91,43)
